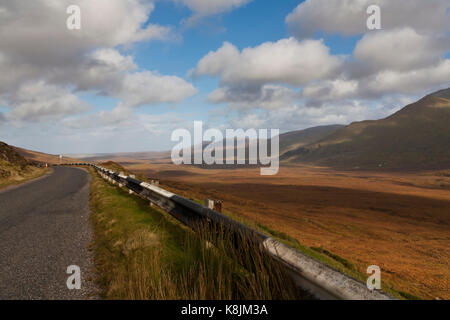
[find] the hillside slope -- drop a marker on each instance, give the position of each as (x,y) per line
(296,139)
(39,157)
(416,137)
(10,155)
(14,168)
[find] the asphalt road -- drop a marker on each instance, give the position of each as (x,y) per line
(44,228)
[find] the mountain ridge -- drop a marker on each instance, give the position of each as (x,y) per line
(415,137)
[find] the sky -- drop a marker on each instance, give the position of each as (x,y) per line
(139,69)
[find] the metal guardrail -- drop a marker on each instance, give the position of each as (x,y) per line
(317,278)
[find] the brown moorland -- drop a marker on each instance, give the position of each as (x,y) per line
(397,220)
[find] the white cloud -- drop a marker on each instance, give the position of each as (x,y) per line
(380,84)
(37,101)
(28,25)
(416,81)
(330,90)
(348,17)
(102,118)
(392,62)
(148,88)
(105,72)
(134,90)
(204,8)
(113,60)
(286,61)
(264,76)
(113,74)
(399,49)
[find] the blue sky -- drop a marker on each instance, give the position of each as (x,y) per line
(139,69)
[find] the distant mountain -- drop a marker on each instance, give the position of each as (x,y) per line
(416,137)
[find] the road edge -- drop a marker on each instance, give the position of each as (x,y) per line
(19,185)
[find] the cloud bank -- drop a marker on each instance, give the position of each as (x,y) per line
(348,17)
(40,57)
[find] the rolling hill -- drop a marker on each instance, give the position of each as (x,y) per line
(416,137)
(40,157)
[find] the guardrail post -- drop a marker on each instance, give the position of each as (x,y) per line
(215,205)
(209,204)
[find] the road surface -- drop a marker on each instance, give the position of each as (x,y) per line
(44,228)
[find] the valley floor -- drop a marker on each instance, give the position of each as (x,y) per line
(398,221)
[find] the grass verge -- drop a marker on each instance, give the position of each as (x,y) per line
(143,253)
